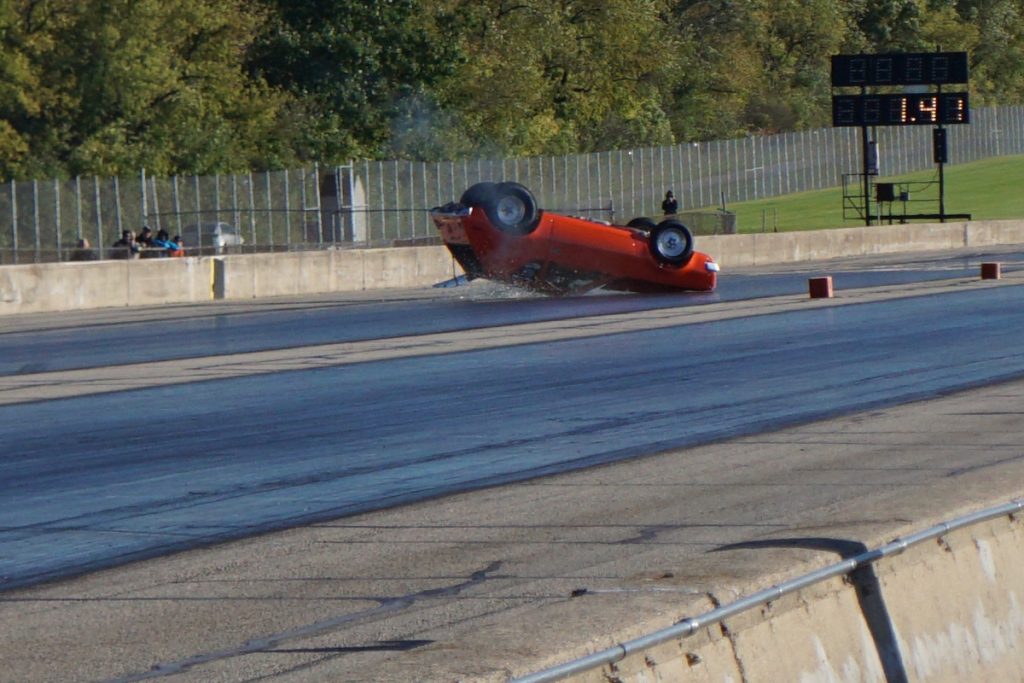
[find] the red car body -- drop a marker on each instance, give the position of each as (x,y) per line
(494,233)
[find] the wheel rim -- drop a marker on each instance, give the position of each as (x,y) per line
(671,243)
(511,210)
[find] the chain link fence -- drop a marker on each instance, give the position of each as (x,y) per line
(382,203)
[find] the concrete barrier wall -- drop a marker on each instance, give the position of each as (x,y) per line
(946,611)
(70,286)
(784,247)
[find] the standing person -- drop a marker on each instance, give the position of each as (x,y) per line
(145,238)
(126,247)
(670,205)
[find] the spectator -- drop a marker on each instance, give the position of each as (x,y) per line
(126,247)
(670,205)
(179,246)
(145,238)
(163,243)
(83,251)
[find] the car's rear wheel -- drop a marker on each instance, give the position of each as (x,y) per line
(479,194)
(509,207)
(512,209)
(672,243)
(643,223)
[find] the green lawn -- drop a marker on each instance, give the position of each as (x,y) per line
(989,189)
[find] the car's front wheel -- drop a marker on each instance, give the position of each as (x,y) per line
(672,243)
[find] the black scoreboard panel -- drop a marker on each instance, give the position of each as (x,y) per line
(905,68)
(905,109)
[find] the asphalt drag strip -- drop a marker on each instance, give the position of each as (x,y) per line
(23,388)
(484,585)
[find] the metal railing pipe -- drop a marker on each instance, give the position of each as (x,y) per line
(689,626)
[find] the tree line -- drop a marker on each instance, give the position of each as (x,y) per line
(106,87)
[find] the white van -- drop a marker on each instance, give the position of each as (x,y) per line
(211,237)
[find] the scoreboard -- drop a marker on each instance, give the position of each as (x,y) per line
(900,109)
(904,68)
(910,109)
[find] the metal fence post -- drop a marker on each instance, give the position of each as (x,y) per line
(142,183)
(287,212)
(56,215)
(270,209)
(156,205)
(198,203)
(236,214)
(35,217)
(177,204)
(252,210)
(14,219)
(78,207)
(319,212)
(117,205)
(97,211)
(216,197)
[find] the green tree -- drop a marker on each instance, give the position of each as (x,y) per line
(112,86)
(996,44)
(203,86)
(720,64)
(889,25)
(28,142)
(355,66)
(161,85)
(794,39)
(552,77)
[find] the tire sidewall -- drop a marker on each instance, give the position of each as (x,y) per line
(479,194)
(642,223)
(531,215)
(684,233)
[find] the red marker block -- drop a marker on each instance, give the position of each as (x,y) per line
(820,287)
(990,271)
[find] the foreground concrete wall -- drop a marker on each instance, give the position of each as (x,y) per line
(946,611)
(69,286)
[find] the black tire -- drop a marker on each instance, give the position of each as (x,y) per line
(512,209)
(480,195)
(671,242)
(642,223)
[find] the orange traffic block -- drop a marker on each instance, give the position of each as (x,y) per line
(820,287)
(990,271)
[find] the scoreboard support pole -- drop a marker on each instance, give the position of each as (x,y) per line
(865,153)
(939,157)
(942,184)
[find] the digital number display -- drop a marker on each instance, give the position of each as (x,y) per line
(908,109)
(905,68)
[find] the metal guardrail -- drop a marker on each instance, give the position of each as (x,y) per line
(689,626)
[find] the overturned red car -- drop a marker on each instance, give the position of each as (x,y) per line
(496,231)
